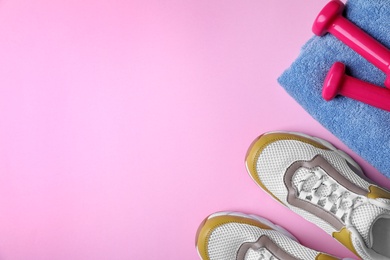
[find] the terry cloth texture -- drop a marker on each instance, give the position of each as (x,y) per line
(363,128)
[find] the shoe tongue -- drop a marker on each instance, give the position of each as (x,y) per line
(363,218)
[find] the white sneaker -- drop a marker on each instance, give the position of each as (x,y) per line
(237,236)
(326,187)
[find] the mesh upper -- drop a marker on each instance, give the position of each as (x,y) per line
(358,247)
(275,159)
(226,239)
(363,216)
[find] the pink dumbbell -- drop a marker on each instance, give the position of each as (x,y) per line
(337,82)
(330,20)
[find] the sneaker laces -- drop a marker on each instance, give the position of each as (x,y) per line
(317,187)
(264,254)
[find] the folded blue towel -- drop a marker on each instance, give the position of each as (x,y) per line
(363,128)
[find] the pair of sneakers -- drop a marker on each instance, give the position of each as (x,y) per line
(315,180)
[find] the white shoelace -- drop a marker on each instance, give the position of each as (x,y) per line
(317,187)
(264,254)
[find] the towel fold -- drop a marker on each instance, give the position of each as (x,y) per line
(363,128)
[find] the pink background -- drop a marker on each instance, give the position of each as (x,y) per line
(123,124)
